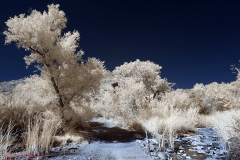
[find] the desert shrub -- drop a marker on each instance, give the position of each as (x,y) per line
(175,113)
(35,94)
(128,91)
(227,124)
(166,128)
(197,97)
(46,124)
(216,97)
(123,104)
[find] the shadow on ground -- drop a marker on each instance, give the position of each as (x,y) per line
(99,132)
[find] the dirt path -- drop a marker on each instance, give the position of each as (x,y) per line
(101,132)
(106,143)
(113,143)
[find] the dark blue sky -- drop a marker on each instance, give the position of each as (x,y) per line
(195,41)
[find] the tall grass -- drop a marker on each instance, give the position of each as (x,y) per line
(234,145)
(40,134)
(165,127)
(228,126)
(5,141)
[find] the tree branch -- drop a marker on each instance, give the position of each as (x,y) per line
(74,94)
(41,54)
(77,92)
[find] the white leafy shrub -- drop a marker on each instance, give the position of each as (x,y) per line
(217,97)
(35,94)
(138,83)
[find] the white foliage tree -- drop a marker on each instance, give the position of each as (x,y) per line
(56,54)
(136,85)
(145,72)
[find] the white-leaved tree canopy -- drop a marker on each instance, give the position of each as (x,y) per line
(137,85)
(145,72)
(56,53)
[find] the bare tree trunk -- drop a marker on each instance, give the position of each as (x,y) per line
(60,100)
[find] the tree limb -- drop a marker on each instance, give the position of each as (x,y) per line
(41,54)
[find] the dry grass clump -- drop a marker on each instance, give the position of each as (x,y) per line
(224,123)
(40,133)
(228,126)
(175,122)
(41,129)
(174,114)
(15,115)
(234,143)
(40,121)
(5,140)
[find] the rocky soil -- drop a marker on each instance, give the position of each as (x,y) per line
(205,144)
